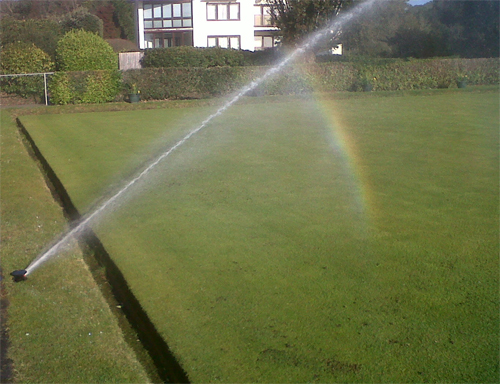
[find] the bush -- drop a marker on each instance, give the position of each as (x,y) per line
(184,83)
(82,19)
(175,57)
(60,89)
(433,73)
(382,75)
(84,51)
(265,57)
(42,33)
(191,57)
(89,87)
(220,57)
(24,58)
(124,13)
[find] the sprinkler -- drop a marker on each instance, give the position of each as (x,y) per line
(19,275)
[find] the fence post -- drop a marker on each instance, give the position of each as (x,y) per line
(45,87)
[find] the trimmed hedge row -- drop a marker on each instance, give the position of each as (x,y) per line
(88,87)
(196,57)
(183,83)
(189,83)
(192,57)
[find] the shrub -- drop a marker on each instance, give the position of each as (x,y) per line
(84,51)
(259,58)
(60,89)
(82,19)
(191,57)
(382,75)
(89,87)
(101,87)
(24,58)
(183,57)
(124,12)
(42,33)
(220,57)
(184,83)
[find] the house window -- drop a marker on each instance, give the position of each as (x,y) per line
(224,41)
(223,11)
(264,42)
(262,16)
(171,15)
(167,39)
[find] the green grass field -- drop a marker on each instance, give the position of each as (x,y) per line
(336,238)
(61,329)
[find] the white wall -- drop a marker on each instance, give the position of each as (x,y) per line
(140,24)
(202,28)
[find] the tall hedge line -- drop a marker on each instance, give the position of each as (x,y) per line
(179,83)
(186,83)
(20,58)
(86,87)
(192,57)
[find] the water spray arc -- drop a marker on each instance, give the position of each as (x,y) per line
(82,224)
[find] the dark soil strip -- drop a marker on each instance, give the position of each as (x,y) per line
(167,367)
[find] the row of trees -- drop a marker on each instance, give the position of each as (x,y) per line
(393,28)
(44,22)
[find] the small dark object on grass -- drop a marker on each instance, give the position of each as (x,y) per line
(19,275)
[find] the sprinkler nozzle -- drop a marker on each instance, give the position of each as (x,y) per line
(19,275)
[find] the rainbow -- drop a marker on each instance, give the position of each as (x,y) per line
(344,142)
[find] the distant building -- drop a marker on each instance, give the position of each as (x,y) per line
(238,24)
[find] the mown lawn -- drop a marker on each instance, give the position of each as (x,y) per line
(61,329)
(347,239)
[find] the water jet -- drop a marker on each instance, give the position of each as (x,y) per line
(310,42)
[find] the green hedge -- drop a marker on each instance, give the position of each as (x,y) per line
(43,33)
(89,87)
(191,57)
(183,83)
(20,58)
(389,75)
(187,83)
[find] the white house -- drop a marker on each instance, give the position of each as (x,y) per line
(239,24)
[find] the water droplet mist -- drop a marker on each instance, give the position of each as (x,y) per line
(79,227)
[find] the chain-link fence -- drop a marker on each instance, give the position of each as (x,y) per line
(27,85)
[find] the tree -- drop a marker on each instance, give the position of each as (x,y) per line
(37,9)
(81,18)
(472,27)
(369,33)
(298,18)
(72,14)
(43,33)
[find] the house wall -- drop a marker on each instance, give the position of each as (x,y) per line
(242,28)
(202,28)
(140,25)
